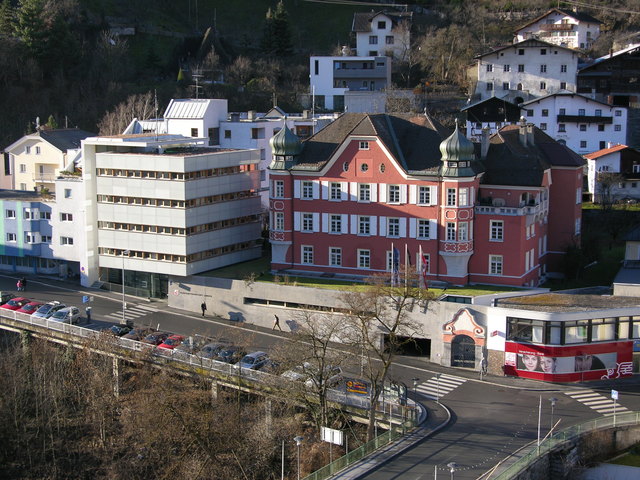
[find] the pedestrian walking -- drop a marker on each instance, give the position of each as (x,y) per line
(88,311)
(19,285)
(276,323)
(24,283)
(204,308)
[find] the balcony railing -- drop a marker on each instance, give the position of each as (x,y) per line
(584,119)
(555,27)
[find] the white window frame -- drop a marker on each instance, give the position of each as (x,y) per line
(335,257)
(364,192)
(451,232)
(306,222)
(12,237)
(424,195)
(363,145)
(66,217)
(278,221)
(306,254)
(66,241)
(335,223)
(393,227)
(463,232)
(496,230)
(463,197)
(11,213)
(424,227)
(364,258)
(306,187)
(393,194)
(278,189)
(335,191)
(496,265)
(364,225)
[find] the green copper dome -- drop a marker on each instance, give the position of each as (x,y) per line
(285,143)
(457,147)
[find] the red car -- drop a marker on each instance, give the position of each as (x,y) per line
(15,303)
(172,342)
(29,308)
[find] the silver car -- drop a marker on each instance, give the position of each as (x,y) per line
(66,315)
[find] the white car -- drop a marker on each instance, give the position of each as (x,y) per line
(66,315)
(48,309)
(309,374)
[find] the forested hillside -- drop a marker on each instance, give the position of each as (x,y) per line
(71,61)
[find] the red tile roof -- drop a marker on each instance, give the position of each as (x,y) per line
(605,151)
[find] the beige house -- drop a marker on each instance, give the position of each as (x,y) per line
(36,159)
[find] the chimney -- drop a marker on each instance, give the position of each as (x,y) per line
(484,142)
(305,114)
(251,115)
(522,131)
(530,135)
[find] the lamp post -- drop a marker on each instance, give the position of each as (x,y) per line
(124,305)
(415,380)
(298,441)
(452,468)
(553,401)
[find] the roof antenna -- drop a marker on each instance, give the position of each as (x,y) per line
(155,100)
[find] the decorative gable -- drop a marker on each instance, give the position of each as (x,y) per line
(464,323)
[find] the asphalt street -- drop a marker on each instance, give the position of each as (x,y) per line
(490,417)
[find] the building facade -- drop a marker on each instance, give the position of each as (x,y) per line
(331,77)
(370,192)
(35,160)
(382,33)
(621,164)
(529,68)
(489,115)
(567,28)
(579,122)
(160,205)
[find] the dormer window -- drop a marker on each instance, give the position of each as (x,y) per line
(364,145)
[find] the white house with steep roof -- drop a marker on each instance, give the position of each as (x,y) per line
(530,68)
(567,28)
(382,33)
(581,123)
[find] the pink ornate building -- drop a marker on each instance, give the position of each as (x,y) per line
(366,186)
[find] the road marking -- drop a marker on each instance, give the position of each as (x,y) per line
(132,313)
(437,388)
(597,402)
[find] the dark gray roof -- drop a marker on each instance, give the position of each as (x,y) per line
(362,20)
(66,138)
(509,162)
(413,140)
(580,16)
(528,43)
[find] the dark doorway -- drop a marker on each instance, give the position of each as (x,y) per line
(412,347)
(463,352)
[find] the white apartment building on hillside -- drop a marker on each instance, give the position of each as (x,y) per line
(161,205)
(581,123)
(530,68)
(382,33)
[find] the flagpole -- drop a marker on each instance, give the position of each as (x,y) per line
(406,266)
(393,265)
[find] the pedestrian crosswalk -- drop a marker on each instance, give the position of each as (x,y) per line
(131,313)
(597,402)
(439,385)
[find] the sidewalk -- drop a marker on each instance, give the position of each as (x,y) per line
(436,416)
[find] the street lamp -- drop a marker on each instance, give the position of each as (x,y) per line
(553,401)
(298,441)
(415,386)
(124,305)
(452,468)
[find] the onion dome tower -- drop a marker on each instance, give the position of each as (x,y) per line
(458,156)
(285,147)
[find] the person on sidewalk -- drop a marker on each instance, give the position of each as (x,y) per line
(19,285)
(24,283)
(204,308)
(276,323)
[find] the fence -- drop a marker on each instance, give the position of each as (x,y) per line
(563,436)
(357,454)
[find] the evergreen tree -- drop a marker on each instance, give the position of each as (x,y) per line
(30,26)
(282,46)
(51,122)
(267,42)
(7,18)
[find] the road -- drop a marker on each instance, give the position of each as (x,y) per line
(490,418)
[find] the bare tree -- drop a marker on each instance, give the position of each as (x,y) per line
(606,183)
(141,106)
(240,71)
(380,325)
(314,358)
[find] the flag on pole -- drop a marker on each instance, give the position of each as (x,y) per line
(424,268)
(407,262)
(395,264)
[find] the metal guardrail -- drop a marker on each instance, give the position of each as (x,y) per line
(561,437)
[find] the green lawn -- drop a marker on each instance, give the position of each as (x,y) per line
(630,460)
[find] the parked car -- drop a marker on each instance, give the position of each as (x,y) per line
(210,350)
(30,307)
(253,361)
(171,342)
(67,315)
(48,309)
(155,338)
(5,297)
(15,303)
(230,354)
(119,330)
(191,345)
(137,333)
(310,375)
